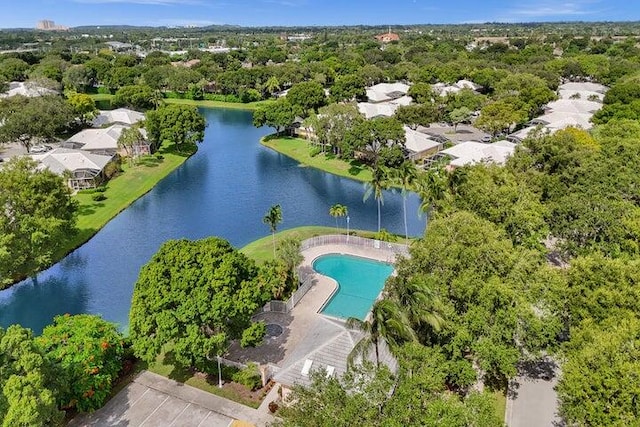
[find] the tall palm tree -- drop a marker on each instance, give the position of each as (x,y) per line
(432,188)
(417,298)
(379,182)
(338,210)
(272,219)
(406,174)
(388,323)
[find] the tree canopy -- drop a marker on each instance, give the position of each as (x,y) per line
(177,124)
(40,216)
(196,296)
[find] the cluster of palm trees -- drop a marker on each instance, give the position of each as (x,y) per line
(338,211)
(430,185)
(408,311)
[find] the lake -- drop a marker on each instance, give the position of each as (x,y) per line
(225,189)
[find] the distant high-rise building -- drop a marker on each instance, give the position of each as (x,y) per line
(46,25)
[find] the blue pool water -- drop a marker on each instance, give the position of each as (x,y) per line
(360,281)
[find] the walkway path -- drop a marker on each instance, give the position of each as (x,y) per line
(155,401)
(532,398)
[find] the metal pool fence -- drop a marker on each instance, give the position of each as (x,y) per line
(331,239)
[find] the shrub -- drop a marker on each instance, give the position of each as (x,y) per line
(89,352)
(104,90)
(87,191)
(98,197)
(253,335)
(159,156)
(314,151)
(248,377)
(100,189)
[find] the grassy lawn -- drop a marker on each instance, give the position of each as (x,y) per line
(261,250)
(102,97)
(218,104)
(121,191)
(501,402)
(298,149)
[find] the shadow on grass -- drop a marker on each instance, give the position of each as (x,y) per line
(178,372)
(149,162)
(85,210)
(183,150)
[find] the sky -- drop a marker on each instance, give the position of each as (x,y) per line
(25,13)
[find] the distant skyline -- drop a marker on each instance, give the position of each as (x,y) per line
(73,13)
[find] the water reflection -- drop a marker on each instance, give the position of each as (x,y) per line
(224,190)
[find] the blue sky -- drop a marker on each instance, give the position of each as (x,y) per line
(25,13)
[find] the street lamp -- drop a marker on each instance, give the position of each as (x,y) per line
(219,373)
(348,228)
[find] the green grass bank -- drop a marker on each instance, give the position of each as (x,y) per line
(122,191)
(298,149)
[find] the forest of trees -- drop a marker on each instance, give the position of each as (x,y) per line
(536,258)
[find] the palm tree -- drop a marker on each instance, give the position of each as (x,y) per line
(407,175)
(379,182)
(421,305)
(272,219)
(432,188)
(388,323)
(338,210)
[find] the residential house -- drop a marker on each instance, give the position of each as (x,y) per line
(419,145)
(471,152)
(105,141)
(122,116)
(28,89)
(81,169)
(388,37)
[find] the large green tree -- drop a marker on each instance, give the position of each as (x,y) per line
(599,383)
(278,115)
(39,216)
(195,296)
(27,120)
(178,124)
(307,95)
(28,381)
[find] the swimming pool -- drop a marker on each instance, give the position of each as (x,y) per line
(360,281)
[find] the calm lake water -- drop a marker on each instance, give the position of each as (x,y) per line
(224,190)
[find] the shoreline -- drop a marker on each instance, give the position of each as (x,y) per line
(298,150)
(141,179)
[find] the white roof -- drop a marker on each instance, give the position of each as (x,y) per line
(100,139)
(386,91)
(120,115)
(386,108)
(584,94)
(561,120)
(28,89)
(445,89)
(471,152)
(523,133)
(468,84)
(580,106)
(584,86)
(62,159)
(418,142)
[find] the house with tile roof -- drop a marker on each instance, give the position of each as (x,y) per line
(81,169)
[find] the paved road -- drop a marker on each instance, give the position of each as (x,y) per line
(155,401)
(532,400)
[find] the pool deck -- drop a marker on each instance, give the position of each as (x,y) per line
(302,324)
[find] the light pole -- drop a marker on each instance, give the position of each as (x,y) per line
(219,373)
(348,228)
